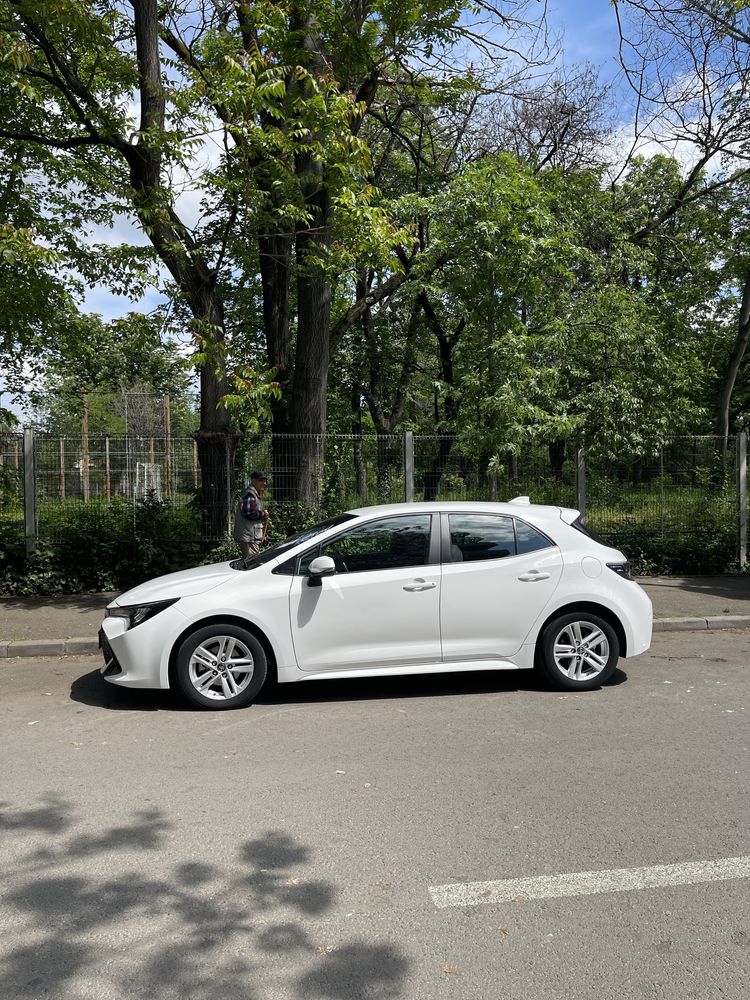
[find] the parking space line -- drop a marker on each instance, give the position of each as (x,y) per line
(590,883)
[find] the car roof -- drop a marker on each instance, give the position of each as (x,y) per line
(520,508)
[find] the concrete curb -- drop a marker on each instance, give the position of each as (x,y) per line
(48,647)
(695,624)
(85,646)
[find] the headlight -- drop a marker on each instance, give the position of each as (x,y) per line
(621,568)
(141,613)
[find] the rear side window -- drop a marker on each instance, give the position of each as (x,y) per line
(480,536)
(475,537)
(529,539)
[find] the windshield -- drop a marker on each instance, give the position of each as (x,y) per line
(302,536)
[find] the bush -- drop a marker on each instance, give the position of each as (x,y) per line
(100,546)
(114,545)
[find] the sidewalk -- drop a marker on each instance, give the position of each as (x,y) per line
(56,626)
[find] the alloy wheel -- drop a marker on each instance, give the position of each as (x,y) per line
(221,667)
(581,650)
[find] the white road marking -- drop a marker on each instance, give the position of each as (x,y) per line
(589,883)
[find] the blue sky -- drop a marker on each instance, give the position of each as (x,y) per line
(589,32)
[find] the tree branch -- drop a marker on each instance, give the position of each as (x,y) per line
(44,140)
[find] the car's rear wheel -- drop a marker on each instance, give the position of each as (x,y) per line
(579,651)
(221,666)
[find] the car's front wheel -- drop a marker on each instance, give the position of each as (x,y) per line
(579,651)
(221,666)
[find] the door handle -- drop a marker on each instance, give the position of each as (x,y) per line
(533,575)
(419,585)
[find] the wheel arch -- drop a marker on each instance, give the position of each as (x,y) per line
(593,608)
(236,620)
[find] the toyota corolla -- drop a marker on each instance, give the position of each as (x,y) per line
(387,591)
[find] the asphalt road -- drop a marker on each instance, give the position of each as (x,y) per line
(289,850)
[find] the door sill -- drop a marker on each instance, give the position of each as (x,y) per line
(464,666)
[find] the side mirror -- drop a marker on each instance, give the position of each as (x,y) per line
(320,566)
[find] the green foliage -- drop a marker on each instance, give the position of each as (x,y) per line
(99,546)
(11,487)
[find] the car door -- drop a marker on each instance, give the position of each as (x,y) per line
(499,572)
(381,608)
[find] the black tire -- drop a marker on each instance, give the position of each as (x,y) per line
(207,681)
(578,651)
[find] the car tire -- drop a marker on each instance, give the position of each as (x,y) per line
(578,651)
(220,667)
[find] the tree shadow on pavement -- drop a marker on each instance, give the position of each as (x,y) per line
(112,913)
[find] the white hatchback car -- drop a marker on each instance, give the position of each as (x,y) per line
(384,591)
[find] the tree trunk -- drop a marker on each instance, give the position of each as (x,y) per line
(275,253)
(177,249)
(310,395)
(217,438)
(733,368)
(557,458)
(312,239)
(446,345)
(311,384)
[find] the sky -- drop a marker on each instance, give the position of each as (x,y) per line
(587,33)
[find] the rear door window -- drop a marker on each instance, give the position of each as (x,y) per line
(475,537)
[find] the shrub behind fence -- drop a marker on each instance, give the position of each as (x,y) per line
(132,502)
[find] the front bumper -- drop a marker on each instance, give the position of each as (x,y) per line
(111,666)
(139,657)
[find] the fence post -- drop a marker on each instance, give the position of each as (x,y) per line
(409,466)
(85,447)
(62,468)
(29,491)
(742,493)
(581,481)
(167,447)
(228,485)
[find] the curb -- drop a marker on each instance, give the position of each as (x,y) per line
(48,647)
(86,647)
(697,624)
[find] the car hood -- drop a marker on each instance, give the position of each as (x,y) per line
(186,583)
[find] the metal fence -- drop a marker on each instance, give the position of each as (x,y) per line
(689,496)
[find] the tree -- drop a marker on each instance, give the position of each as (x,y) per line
(286,87)
(689,64)
(120,372)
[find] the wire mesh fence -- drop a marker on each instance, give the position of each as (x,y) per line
(11,472)
(96,471)
(447,468)
(680,499)
(101,467)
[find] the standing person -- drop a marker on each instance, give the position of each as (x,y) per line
(251,517)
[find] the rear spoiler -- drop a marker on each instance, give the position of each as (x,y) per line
(567,514)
